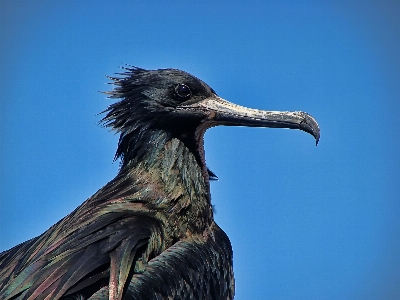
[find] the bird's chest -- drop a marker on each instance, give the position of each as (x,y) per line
(181,208)
(179,196)
(176,189)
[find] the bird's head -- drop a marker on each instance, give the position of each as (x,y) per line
(183,106)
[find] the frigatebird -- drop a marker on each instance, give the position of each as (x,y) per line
(149,233)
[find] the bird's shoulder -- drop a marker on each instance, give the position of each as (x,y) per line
(109,235)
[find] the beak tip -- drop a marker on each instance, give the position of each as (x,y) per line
(316,135)
(310,125)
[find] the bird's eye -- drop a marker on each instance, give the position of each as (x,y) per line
(183,91)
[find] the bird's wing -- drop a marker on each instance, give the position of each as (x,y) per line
(196,268)
(106,248)
(94,242)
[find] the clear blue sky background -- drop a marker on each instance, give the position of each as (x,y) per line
(305,222)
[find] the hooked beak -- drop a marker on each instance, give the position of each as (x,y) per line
(222,112)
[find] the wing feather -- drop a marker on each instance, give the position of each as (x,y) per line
(86,250)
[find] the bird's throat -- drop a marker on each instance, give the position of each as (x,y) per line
(199,138)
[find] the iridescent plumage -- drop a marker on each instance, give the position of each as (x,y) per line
(150,232)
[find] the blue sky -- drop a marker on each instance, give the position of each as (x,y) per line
(305,222)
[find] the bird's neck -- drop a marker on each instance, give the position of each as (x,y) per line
(170,174)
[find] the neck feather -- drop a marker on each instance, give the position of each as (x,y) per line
(170,171)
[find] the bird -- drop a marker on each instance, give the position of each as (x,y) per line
(150,232)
